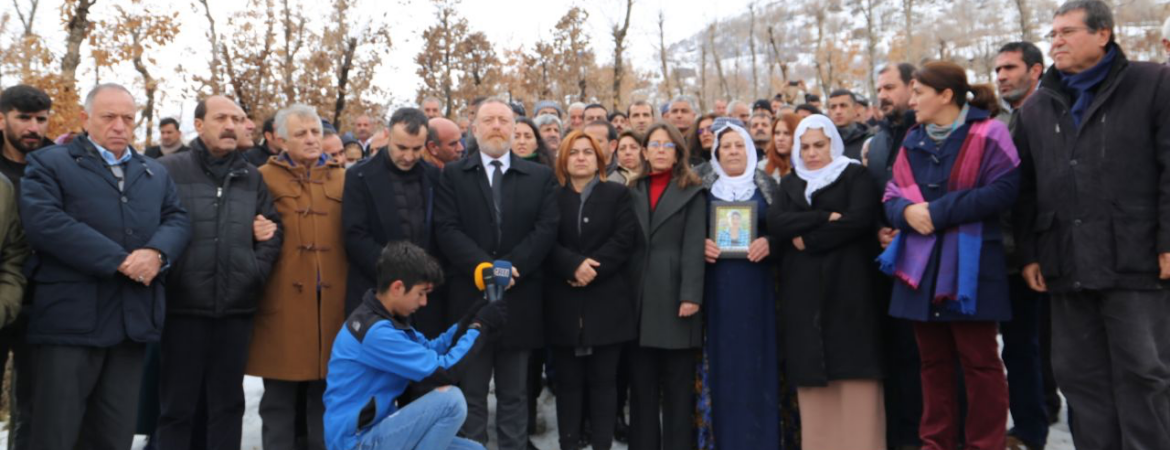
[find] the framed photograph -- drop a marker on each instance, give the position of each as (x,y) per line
(733,227)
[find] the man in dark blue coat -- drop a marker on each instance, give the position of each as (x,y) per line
(104,221)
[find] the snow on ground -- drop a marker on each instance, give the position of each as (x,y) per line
(1058,437)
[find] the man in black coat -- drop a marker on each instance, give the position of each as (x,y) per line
(1093,227)
(170,140)
(390,197)
(843,111)
(214,288)
(104,221)
(493,206)
(258,155)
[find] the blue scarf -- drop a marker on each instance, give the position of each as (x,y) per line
(1081,85)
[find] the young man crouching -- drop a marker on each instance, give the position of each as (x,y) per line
(377,354)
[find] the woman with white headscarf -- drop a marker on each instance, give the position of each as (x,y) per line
(742,369)
(825,215)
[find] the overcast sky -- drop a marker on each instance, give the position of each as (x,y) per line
(507,23)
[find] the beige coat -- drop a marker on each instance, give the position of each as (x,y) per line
(294,329)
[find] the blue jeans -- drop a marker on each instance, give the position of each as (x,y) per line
(429,423)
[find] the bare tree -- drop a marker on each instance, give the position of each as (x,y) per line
(213,37)
(77,27)
(294,38)
(718,63)
(869,11)
(662,52)
(619,48)
(1023,7)
(752,49)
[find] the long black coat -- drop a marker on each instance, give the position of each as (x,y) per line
(669,264)
(81,227)
(829,313)
(602,312)
(466,232)
(370,218)
(224,268)
(1094,203)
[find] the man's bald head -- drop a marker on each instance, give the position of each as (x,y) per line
(443,140)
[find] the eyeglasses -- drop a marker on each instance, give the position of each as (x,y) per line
(658,145)
(1064,33)
(705,130)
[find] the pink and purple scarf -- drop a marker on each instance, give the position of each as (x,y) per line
(982,159)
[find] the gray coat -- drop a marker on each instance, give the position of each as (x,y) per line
(671,263)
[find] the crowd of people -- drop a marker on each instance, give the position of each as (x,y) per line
(851,299)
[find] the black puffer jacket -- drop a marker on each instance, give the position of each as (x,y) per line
(223,271)
(1094,203)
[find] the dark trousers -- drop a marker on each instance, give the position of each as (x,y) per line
(1022,357)
(510,368)
(903,384)
(662,382)
(974,345)
(20,394)
(278,411)
(86,397)
(203,357)
(1111,352)
(598,372)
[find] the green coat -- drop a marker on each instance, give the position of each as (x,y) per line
(13,251)
(671,265)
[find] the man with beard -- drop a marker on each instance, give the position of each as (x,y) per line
(761,130)
(494,206)
(903,386)
(843,111)
(24,118)
(214,290)
(1018,67)
(170,140)
(641,114)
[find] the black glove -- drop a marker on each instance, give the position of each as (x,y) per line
(466,320)
(492,317)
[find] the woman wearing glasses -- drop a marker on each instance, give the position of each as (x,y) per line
(700,140)
(671,208)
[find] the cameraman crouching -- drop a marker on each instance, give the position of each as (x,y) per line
(377,354)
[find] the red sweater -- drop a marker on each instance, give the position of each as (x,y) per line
(658,182)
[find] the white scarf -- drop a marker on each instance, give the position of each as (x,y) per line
(819,178)
(739,188)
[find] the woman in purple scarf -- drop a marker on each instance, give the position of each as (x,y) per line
(955,175)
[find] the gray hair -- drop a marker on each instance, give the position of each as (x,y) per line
(690,101)
(545,119)
(577,105)
(98,89)
(1166,29)
(1098,16)
(492,100)
(298,110)
(734,104)
(430,99)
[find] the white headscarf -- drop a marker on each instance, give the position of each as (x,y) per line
(818,179)
(739,188)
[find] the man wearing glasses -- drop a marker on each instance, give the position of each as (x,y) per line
(1093,227)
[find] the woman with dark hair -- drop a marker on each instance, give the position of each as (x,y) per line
(824,214)
(957,174)
(628,156)
(741,304)
(778,161)
(589,302)
(700,139)
(671,208)
(528,144)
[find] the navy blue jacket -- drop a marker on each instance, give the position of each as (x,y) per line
(932,168)
(81,227)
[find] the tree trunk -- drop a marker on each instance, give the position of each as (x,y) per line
(351,45)
(27,35)
(908,30)
(718,63)
(871,43)
(1025,20)
(150,85)
(752,48)
(216,86)
(662,52)
(78,28)
(619,42)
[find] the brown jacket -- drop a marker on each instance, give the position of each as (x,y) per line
(294,329)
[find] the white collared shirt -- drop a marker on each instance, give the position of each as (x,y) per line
(488,168)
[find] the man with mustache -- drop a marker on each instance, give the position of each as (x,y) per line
(1092,227)
(494,206)
(214,289)
(24,119)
